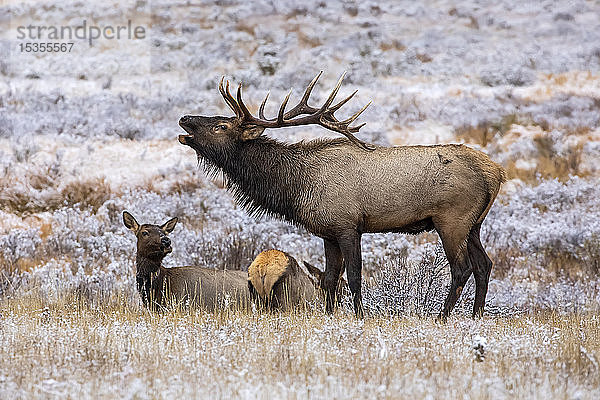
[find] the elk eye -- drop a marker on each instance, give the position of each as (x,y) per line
(145,233)
(220,127)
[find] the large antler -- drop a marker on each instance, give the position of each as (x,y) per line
(323,116)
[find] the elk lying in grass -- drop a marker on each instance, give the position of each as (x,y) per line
(340,189)
(162,287)
(276,281)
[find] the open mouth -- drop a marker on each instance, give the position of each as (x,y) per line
(167,250)
(185,122)
(185,139)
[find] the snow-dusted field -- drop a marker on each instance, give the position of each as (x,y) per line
(87,134)
(74,351)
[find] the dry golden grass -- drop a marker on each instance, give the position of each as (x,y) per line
(37,191)
(484,133)
(71,349)
(552,264)
(86,193)
(549,164)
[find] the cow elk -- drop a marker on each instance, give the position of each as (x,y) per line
(179,287)
(340,189)
(277,282)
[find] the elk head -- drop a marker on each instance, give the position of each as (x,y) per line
(152,240)
(317,276)
(207,135)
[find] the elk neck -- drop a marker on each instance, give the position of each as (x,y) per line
(147,270)
(269,177)
(147,265)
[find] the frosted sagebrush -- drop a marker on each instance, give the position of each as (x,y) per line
(407,287)
(547,220)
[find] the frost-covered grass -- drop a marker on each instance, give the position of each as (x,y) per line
(69,349)
(87,135)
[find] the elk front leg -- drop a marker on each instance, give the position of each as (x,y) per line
(333,268)
(351,252)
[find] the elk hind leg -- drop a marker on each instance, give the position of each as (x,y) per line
(453,239)
(482,266)
(460,272)
(351,252)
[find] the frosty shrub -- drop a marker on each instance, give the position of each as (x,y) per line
(544,226)
(405,287)
(511,74)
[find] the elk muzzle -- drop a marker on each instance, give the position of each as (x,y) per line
(165,244)
(187,123)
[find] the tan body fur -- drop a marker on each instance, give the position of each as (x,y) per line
(276,280)
(393,188)
(207,288)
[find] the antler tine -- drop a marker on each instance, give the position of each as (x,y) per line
(323,116)
(226,98)
(333,93)
(356,128)
(221,86)
(229,99)
(341,103)
(245,111)
(309,88)
(348,121)
(343,129)
(221,89)
(261,110)
(282,108)
(303,107)
(359,143)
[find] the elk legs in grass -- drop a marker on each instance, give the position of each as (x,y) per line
(454,239)
(351,252)
(333,270)
(471,258)
(482,266)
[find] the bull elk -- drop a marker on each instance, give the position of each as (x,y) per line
(276,281)
(161,287)
(341,188)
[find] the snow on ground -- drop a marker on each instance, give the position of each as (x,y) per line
(88,134)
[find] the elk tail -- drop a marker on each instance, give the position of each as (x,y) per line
(267,270)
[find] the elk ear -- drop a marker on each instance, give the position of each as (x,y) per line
(169,225)
(314,271)
(130,222)
(251,132)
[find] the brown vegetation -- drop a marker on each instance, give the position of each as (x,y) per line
(68,348)
(38,191)
(485,132)
(549,164)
